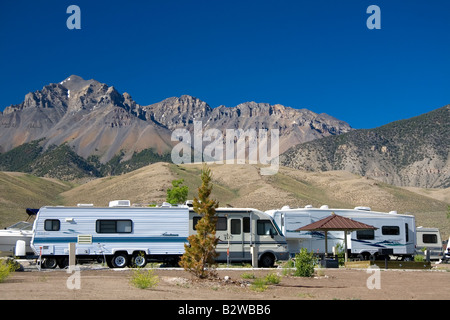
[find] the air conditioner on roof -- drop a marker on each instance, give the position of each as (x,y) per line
(119,203)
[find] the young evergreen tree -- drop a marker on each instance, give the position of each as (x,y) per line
(200,254)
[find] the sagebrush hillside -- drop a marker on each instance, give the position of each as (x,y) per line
(243,186)
(412,152)
(234,185)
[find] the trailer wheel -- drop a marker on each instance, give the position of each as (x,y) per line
(120,260)
(49,263)
(138,260)
(63,262)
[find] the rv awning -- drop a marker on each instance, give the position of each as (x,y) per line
(336,223)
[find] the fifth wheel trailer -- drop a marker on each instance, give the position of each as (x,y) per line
(394,231)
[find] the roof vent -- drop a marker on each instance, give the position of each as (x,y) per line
(119,203)
(363,208)
(166,205)
(85,204)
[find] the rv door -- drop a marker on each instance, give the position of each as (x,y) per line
(236,238)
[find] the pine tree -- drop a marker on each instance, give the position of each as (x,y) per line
(200,254)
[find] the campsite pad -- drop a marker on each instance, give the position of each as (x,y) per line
(391,264)
(178,285)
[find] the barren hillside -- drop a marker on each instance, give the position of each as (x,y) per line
(243,186)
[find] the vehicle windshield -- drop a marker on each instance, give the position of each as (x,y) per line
(22,225)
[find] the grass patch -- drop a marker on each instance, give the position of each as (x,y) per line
(261,284)
(144,279)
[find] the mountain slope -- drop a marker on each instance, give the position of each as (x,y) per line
(243,186)
(412,152)
(94,119)
(19,191)
(235,185)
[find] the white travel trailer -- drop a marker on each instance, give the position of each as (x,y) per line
(394,231)
(121,235)
(429,239)
(241,230)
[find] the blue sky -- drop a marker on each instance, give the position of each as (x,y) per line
(304,54)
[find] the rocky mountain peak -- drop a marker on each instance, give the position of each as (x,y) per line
(76,83)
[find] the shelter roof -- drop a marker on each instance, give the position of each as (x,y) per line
(335,222)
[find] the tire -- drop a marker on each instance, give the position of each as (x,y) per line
(267,261)
(119,260)
(63,262)
(139,260)
(109,261)
(49,263)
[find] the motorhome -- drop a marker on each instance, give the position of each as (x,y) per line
(241,230)
(120,235)
(394,231)
(429,239)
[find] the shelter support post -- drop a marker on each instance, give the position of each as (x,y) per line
(72,249)
(345,246)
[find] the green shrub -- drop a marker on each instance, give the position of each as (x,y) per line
(259,285)
(304,263)
(272,278)
(144,279)
(7,266)
(419,258)
(247,275)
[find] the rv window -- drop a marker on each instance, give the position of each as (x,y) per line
(365,234)
(390,230)
(51,225)
(246,224)
(265,227)
(235,226)
(221,224)
(114,226)
(429,238)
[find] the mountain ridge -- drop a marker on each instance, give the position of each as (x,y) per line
(94,119)
(412,152)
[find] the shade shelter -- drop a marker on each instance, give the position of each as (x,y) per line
(335,222)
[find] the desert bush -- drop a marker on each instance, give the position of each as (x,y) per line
(144,279)
(304,263)
(7,266)
(273,278)
(261,284)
